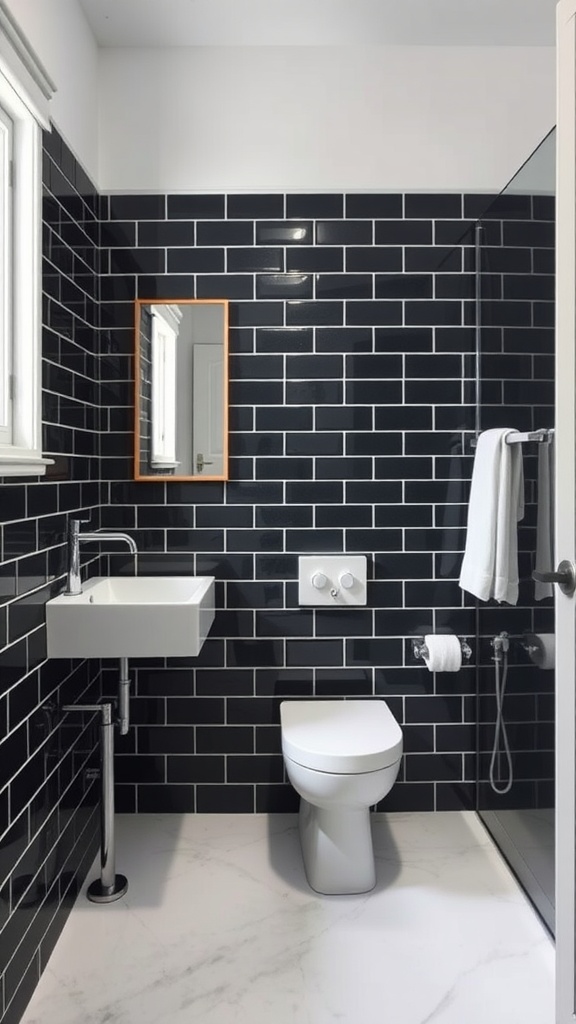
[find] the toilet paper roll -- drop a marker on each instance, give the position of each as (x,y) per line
(444,653)
(541,649)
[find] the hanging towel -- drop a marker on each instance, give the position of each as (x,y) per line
(490,564)
(545,518)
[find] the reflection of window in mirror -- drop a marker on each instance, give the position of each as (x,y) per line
(165,329)
(181,424)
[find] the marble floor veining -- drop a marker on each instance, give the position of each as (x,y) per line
(219,927)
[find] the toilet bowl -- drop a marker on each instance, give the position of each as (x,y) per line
(341,757)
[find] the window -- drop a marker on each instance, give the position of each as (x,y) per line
(165,327)
(6,241)
(24,93)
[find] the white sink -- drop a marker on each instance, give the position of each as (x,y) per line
(135,616)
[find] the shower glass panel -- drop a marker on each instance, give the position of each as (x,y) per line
(516,386)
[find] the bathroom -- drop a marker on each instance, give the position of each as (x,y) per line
(352,402)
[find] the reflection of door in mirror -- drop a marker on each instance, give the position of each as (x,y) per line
(207,405)
(181,393)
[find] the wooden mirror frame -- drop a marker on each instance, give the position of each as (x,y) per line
(198,478)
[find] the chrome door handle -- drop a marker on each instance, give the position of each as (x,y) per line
(565,577)
(201,462)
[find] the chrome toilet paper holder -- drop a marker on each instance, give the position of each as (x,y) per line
(420,650)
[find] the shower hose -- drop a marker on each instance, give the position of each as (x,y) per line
(500,644)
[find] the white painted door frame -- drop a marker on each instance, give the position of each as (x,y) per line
(565,513)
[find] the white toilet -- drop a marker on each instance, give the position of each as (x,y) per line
(341,756)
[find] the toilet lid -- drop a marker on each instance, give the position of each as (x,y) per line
(344,737)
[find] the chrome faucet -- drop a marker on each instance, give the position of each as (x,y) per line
(73,582)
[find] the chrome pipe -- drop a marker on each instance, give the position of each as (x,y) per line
(110,886)
(107,883)
(123,697)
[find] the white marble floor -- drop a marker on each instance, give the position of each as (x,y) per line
(220,927)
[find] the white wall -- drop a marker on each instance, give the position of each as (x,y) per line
(266,118)
(59,33)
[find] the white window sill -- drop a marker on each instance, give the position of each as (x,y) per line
(23,465)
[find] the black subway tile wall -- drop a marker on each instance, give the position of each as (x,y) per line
(48,803)
(351,411)
(351,404)
(518,391)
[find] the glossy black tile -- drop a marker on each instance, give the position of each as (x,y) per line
(249,207)
(374,205)
(225,799)
(344,339)
(319,313)
(164,234)
(314,492)
(374,443)
(375,312)
(429,205)
(285,339)
(373,258)
(403,232)
(225,286)
(137,207)
(315,205)
(314,392)
(316,366)
(200,207)
(454,232)
(284,232)
(284,419)
(314,444)
(342,515)
(255,259)
(195,261)
(284,286)
(311,259)
(314,652)
(396,286)
(373,392)
(314,540)
(256,314)
(349,232)
(225,233)
(443,259)
(282,516)
(343,286)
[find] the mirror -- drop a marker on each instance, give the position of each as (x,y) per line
(181,390)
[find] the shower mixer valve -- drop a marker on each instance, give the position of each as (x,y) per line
(500,643)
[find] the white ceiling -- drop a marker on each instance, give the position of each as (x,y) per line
(321,22)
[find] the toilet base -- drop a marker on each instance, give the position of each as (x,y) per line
(337,849)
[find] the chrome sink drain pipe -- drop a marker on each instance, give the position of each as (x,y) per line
(123,697)
(110,886)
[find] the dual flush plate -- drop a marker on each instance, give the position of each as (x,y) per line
(332,581)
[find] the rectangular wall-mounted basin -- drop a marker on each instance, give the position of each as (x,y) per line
(135,616)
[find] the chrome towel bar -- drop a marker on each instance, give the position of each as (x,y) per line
(540,436)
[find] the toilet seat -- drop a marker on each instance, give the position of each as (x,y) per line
(343,737)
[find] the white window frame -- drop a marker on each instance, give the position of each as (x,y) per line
(6,163)
(165,327)
(25,90)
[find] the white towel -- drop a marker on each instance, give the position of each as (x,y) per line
(490,564)
(545,518)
